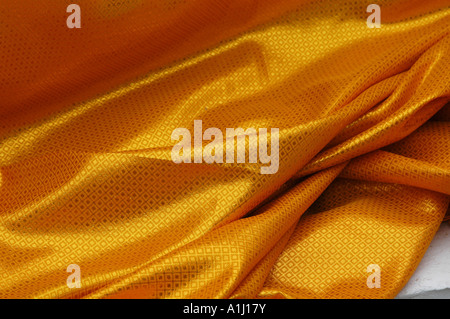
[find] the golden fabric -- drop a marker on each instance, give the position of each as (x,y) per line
(86,175)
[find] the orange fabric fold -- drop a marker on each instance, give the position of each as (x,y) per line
(87,169)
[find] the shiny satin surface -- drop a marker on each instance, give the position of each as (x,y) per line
(86,175)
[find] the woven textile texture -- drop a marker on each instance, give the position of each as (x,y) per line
(86,122)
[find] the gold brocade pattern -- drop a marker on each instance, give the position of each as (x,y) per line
(86,175)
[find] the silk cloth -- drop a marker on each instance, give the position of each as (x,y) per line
(86,117)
